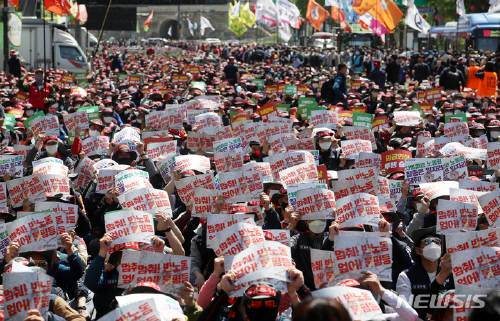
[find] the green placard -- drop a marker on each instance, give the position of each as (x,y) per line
(92,111)
(27,122)
(9,122)
(260,83)
(303,101)
(290,90)
(201,85)
(461,116)
(362,119)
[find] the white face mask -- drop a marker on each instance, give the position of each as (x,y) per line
(494,135)
(51,149)
(432,252)
(107,120)
(94,133)
(317,226)
(325,145)
(422,208)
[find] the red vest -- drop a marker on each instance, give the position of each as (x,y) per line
(37,97)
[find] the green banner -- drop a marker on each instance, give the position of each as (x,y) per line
(92,111)
(27,122)
(362,119)
(9,121)
(290,90)
(462,117)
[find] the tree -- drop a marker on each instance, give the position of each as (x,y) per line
(446,9)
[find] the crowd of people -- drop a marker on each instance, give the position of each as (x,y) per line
(211,183)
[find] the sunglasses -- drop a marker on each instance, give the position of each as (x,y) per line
(430,240)
(260,304)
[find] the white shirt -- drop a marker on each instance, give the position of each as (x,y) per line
(403,285)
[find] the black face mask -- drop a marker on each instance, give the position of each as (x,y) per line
(263,314)
(124,161)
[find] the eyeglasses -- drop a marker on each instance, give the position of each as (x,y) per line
(259,304)
(430,240)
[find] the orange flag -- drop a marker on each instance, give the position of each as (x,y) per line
(316,14)
(58,7)
(385,11)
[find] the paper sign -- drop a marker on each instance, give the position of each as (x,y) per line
(437,189)
(424,170)
(360,208)
(303,173)
(76,120)
(137,310)
(54,184)
(129,226)
(95,145)
(167,307)
(352,148)
(4,239)
(49,165)
(131,179)
(455,216)
(186,186)
(394,160)
(466,196)
(322,268)
(493,152)
(11,165)
(192,162)
(65,215)
(47,125)
(228,161)
(455,148)
(24,291)
(168,271)
(477,267)
(204,202)
(281,161)
(4,207)
(157,151)
(367,160)
(106,178)
(360,304)
(315,204)
(407,118)
(218,222)
(395,189)
(165,119)
(36,232)
(456,130)
(356,252)
(490,203)
(153,201)
(478,186)
(281,236)
(359,132)
(454,168)
(456,242)
(210,119)
(351,187)
(25,188)
(236,238)
(266,260)
(324,118)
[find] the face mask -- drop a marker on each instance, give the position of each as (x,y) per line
(422,208)
(94,133)
(108,119)
(51,149)
(124,161)
(261,314)
(325,145)
(432,252)
(317,226)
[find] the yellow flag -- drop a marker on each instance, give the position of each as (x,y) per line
(247,16)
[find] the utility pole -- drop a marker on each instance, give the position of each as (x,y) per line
(179,20)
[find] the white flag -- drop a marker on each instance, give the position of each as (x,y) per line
(190,27)
(170,31)
(285,33)
(204,24)
(494,6)
(267,13)
(460,8)
(414,20)
(236,9)
(289,13)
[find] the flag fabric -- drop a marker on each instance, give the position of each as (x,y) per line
(414,20)
(460,8)
(316,14)
(148,21)
(235,25)
(494,6)
(336,11)
(191,27)
(204,24)
(169,32)
(14,3)
(385,11)
(82,15)
(58,7)
(266,12)
(289,14)
(284,31)
(247,16)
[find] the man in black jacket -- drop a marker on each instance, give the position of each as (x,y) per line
(14,64)
(452,78)
(421,70)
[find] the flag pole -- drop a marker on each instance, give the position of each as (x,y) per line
(102,29)
(456,34)
(277,24)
